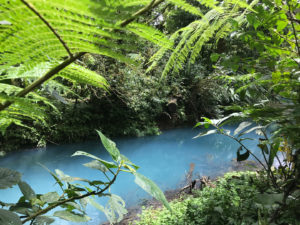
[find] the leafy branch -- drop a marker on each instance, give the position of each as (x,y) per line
(50,207)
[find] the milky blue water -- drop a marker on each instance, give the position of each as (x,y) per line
(165,159)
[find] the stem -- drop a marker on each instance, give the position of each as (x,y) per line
(71,199)
(270,172)
(294,30)
(151,5)
(31,7)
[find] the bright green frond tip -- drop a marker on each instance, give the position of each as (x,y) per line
(77,73)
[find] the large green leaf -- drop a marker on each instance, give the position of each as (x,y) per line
(43,220)
(97,165)
(105,163)
(150,187)
(8,178)
(26,190)
(116,209)
(92,202)
(50,197)
(110,146)
(71,216)
(9,218)
(67,178)
(127,161)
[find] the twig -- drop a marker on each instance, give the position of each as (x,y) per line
(31,7)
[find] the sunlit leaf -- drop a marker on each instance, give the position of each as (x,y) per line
(95,164)
(127,161)
(50,197)
(151,188)
(110,146)
(67,178)
(106,163)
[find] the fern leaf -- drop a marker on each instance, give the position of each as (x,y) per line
(214,24)
(186,7)
(80,74)
(150,34)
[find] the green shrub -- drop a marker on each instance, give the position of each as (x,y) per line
(233,201)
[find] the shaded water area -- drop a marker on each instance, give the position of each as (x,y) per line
(165,159)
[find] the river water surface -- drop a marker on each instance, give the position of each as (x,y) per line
(165,159)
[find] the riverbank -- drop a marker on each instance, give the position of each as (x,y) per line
(191,187)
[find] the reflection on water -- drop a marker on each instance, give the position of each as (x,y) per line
(165,159)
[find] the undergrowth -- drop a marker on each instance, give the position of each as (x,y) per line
(239,198)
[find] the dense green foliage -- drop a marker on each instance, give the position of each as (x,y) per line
(238,198)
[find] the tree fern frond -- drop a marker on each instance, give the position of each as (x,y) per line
(161,52)
(22,72)
(216,23)
(6,120)
(150,34)
(41,38)
(212,4)
(24,107)
(178,56)
(80,74)
(241,4)
(186,7)
(205,37)
(131,3)
(74,22)
(8,91)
